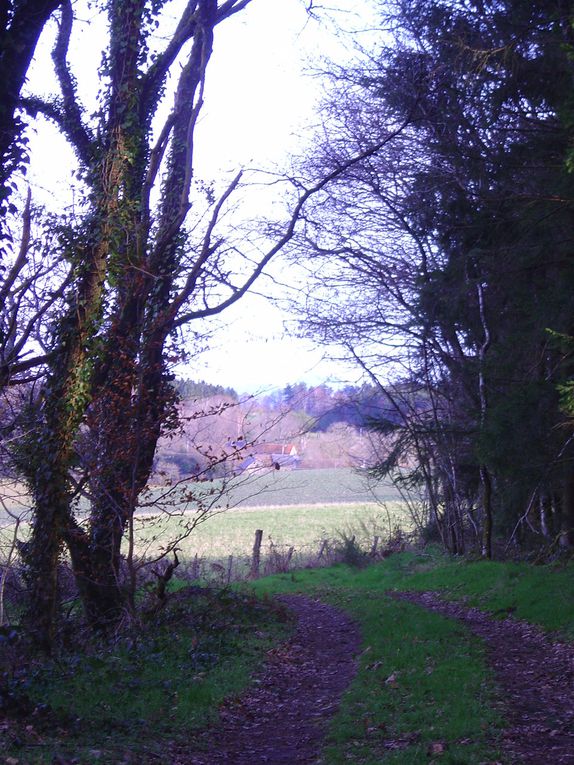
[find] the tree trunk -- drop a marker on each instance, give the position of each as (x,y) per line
(19,34)
(97,585)
(567,514)
(49,454)
(486,492)
(126,423)
(41,556)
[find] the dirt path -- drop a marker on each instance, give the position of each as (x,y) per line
(282,719)
(536,678)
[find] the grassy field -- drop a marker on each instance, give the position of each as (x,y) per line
(265,489)
(293,508)
(298,508)
(273,488)
(308,487)
(301,526)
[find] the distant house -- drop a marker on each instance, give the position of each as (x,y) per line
(270,455)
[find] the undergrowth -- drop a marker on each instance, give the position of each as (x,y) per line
(133,700)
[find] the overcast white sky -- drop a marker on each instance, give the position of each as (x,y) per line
(259,103)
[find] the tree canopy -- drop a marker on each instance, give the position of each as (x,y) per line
(449,255)
(433,217)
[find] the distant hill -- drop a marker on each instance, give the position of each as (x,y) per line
(329,428)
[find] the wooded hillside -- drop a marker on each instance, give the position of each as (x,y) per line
(219,428)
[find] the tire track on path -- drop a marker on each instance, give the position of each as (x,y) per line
(282,718)
(535,675)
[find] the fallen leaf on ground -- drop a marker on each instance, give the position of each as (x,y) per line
(437,747)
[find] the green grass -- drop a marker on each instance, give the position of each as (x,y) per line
(423,694)
(543,595)
(232,532)
(153,686)
(424,685)
(308,487)
(266,489)
(269,488)
(423,681)
(294,508)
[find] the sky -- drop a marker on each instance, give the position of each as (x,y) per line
(257,80)
(260,101)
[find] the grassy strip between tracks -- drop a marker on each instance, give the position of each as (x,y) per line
(424,692)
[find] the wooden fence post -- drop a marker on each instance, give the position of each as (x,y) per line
(229,568)
(256,557)
(374,547)
(195,567)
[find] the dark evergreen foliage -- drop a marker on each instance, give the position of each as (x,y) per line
(188,390)
(456,248)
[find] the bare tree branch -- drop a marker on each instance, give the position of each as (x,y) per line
(21,260)
(155,76)
(72,111)
(286,237)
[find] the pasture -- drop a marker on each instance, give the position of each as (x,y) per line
(308,487)
(296,509)
(300,526)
